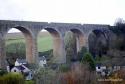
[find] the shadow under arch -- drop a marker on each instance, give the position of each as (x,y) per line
(28,43)
(80,38)
(58,47)
(98,42)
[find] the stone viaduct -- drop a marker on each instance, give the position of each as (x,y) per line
(31,30)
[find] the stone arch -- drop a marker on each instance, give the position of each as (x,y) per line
(29,42)
(58,47)
(99,39)
(77,44)
(80,38)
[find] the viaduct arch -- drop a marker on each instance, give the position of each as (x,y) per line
(57,30)
(28,40)
(100,37)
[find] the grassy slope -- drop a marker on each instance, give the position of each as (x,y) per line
(44,43)
(44,40)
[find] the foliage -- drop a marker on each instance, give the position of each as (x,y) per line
(64,67)
(16,50)
(45,76)
(79,74)
(69,39)
(119,31)
(29,82)
(2,72)
(70,45)
(12,78)
(117,77)
(119,21)
(119,26)
(81,53)
(98,58)
(87,58)
(48,54)
(105,59)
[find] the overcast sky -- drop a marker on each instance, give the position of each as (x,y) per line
(70,11)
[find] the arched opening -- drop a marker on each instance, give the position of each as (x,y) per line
(19,45)
(15,45)
(80,39)
(74,41)
(45,44)
(98,43)
(54,42)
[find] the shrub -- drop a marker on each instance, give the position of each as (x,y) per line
(48,54)
(45,76)
(87,58)
(12,78)
(2,72)
(79,74)
(16,50)
(70,46)
(29,82)
(81,53)
(64,67)
(117,77)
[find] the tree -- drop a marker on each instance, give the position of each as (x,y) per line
(119,21)
(81,53)
(87,58)
(70,45)
(119,30)
(15,50)
(45,76)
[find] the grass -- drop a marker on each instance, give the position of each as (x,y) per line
(44,43)
(10,41)
(29,82)
(12,78)
(44,40)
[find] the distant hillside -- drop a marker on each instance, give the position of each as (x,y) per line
(20,35)
(15,36)
(44,40)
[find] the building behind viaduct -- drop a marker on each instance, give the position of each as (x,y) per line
(31,30)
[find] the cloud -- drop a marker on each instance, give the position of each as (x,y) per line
(77,11)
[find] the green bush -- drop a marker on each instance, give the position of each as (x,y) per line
(45,76)
(64,67)
(48,54)
(12,78)
(87,58)
(29,82)
(2,72)
(70,46)
(16,50)
(81,53)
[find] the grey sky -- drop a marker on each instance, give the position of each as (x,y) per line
(74,11)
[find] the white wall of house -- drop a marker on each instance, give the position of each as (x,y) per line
(100,68)
(42,63)
(30,76)
(17,63)
(14,69)
(8,68)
